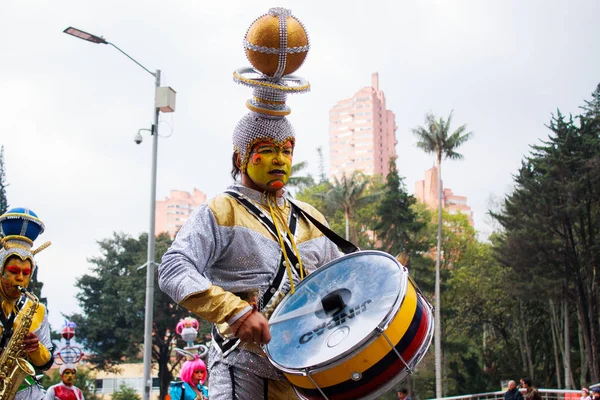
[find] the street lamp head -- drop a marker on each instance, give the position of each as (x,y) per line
(84,35)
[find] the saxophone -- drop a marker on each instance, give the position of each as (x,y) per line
(14,366)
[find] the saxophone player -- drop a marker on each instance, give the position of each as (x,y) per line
(20,227)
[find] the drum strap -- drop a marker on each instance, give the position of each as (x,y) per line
(228,345)
(265,389)
(345,246)
(232,377)
(270,225)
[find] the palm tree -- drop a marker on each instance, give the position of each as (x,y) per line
(349,194)
(299,182)
(435,138)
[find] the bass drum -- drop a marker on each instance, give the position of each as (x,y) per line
(351,330)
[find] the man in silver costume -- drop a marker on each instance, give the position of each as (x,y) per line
(19,228)
(239,254)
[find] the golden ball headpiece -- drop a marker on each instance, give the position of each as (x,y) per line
(276,44)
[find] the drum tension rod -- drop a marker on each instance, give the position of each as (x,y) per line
(410,371)
(317,386)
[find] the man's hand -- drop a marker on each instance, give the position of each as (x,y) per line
(30,342)
(252,328)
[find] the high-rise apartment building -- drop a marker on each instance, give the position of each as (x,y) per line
(426,191)
(172,212)
(362,133)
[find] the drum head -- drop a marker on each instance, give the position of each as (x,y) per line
(335,310)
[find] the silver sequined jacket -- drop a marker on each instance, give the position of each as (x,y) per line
(224,245)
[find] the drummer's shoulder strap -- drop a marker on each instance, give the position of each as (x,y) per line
(275,287)
(345,246)
(264,219)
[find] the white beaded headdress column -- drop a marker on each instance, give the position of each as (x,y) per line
(276,45)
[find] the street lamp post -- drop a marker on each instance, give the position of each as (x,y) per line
(151,231)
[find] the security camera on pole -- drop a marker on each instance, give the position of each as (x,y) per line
(164,100)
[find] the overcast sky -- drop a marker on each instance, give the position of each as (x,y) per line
(69,108)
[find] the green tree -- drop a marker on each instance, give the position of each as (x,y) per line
(112,299)
(84,380)
(399,227)
(349,194)
(3,184)
(551,224)
(365,217)
(35,287)
(322,175)
(125,393)
(436,138)
(299,182)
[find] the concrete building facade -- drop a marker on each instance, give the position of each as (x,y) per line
(426,191)
(173,211)
(362,133)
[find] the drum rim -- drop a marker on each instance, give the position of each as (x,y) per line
(368,339)
(414,361)
(410,363)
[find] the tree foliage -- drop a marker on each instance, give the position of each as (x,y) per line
(435,137)
(297,181)
(125,393)
(399,226)
(348,194)
(35,287)
(550,239)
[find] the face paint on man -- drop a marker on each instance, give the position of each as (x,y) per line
(68,377)
(16,272)
(270,165)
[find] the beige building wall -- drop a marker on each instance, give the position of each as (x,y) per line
(426,191)
(173,211)
(130,375)
(362,133)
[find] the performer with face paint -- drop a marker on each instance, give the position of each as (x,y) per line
(239,254)
(193,376)
(20,227)
(65,390)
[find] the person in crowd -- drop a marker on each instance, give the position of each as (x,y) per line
(531,393)
(19,228)
(585,394)
(403,394)
(65,389)
(513,392)
(191,387)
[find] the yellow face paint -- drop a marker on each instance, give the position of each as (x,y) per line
(15,273)
(270,165)
(68,377)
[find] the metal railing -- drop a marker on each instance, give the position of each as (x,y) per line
(547,394)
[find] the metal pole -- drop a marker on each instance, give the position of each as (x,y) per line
(147,379)
(437,318)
